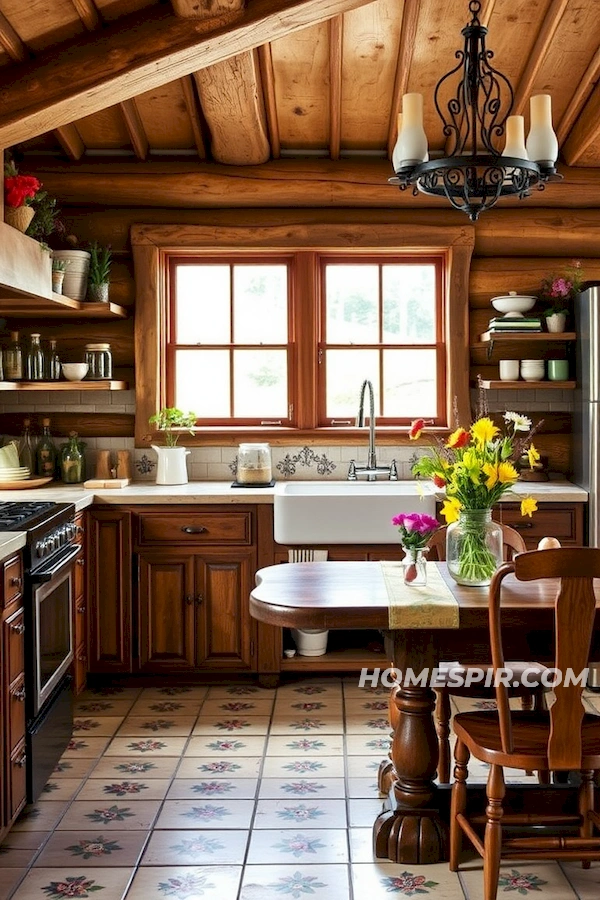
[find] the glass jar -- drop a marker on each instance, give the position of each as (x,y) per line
(414,566)
(254,464)
(473,547)
(99,360)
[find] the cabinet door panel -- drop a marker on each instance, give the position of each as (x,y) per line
(108,555)
(14,646)
(224,627)
(15,717)
(166,612)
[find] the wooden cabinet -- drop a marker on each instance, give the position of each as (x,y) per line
(80,630)
(109,607)
(166,612)
(560,520)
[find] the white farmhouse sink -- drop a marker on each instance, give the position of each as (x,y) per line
(346,512)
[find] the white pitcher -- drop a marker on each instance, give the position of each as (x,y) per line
(171,467)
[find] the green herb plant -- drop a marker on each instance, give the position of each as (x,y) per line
(100,262)
(169,418)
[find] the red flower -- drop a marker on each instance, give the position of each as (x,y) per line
(439,481)
(20,188)
(416,428)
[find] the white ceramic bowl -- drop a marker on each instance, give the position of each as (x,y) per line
(75,371)
(513,303)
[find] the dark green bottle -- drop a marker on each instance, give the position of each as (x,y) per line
(71,461)
(45,453)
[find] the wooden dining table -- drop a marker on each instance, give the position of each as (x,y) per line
(413,828)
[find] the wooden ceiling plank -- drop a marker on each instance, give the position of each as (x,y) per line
(335,86)
(267,75)
(200,9)
(586,130)
(11,41)
(136,54)
(70,140)
(134,126)
(231,96)
(191,104)
(542,44)
(579,98)
(410,19)
(87,12)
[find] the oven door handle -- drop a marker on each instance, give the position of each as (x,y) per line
(41,576)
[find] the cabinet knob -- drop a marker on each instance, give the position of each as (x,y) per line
(199,600)
(189,599)
(81,610)
(81,562)
(193,529)
(19,695)
(19,628)
(79,530)
(81,657)
(16,581)
(20,762)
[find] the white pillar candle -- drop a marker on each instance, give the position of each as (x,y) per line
(414,139)
(542,144)
(397,156)
(515,138)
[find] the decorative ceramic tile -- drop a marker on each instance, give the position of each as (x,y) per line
(205,814)
(305,845)
(175,691)
(585,882)
(314,689)
(95,726)
(231,725)
(295,881)
(129,787)
(306,723)
(185,883)
(211,788)
(362,813)
(60,789)
(377,724)
(368,745)
(300,813)
(58,883)
(226,745)
(157,725)
(112,692)
(19,849)
(352,689)
(92,848)
(363,787)
(303,767)
(311,787)
(119,767)
(40,816)
(72,767)
(528,879)
(182,848)
(381,879)
(224,767)
(363,766)
(83,746)
(238,706)
(147,747)
(111,814)
(307,706)
(297,746)
(165,707)
(239,692)
(100,707)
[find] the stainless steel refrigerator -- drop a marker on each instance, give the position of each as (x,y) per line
(586,415)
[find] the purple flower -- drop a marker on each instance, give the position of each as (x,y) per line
(415,528)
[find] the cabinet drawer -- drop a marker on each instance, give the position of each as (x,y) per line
(16,713)
(17,783)
(13,579)
(551,520)
(14,645)
(195,528)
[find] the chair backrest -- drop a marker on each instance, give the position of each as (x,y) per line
(574,614)
(512,543)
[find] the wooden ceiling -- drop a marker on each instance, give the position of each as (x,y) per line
(240,84)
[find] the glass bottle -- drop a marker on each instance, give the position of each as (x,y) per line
(45,452)
(13,359)
(473,547)
(53,363)
(71,461)
(26,451)
(34,366)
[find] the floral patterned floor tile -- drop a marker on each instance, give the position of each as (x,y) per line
(117,767)
(113,692)
(19,848)
(306,723)
(305,845)
(586,882)
(364,766)
(363,787)
(367,706)
(300,705)
(226,744)
(40,816)
(239,692)
(238,706)
(147,747)
(130,787)
(379,880)
(368,745)
(211,788)
(60,789)
(206,814)
(295,882)
(377,723)
(307,813)
(310,786)
(299,745)
(157,724)
(98,847)
(362,813)
(353,690)
(185,883)
(91,725)
(225,766)
(72,767)
(99,707)
(72,881)
(112,814)
(178,691)
(155,707)
(82,746)
(301,766)
(231,724)
(184,848)
(519,879)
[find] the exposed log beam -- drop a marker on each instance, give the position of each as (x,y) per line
(335,86)
(135,55)
(200,9)
(542,44)
(585,131)
(279,183)
(11,41)
(231,96)
(267,76)
(70,140)
(88,13)
(193,111)
(408,33)
(579,98)
(135,128)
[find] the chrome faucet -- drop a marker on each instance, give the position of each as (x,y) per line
(371,469)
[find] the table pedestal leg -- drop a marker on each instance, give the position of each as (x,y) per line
(386,775)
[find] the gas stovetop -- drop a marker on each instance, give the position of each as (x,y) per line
(15,516)
(49,527)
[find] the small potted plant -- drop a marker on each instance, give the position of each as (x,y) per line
(559,291)
(99,273)
(65,247)
(171,467)
(44,219)
(59,267)
(19,193)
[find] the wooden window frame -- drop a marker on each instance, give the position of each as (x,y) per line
(153,244)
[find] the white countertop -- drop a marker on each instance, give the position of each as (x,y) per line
(10,542)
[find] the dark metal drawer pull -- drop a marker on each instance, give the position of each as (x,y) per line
(18,629)
(81,609)
(20,762)
(193,529)
(19,695)
(521,526)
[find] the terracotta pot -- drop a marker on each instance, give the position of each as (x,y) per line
(19,217)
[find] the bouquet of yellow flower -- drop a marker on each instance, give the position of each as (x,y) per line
(476,467)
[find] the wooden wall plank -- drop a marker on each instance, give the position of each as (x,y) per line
(86,425)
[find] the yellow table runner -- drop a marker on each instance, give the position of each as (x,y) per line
(430,605)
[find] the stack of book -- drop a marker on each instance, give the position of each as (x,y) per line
(504,324)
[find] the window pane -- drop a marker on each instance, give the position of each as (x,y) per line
(352,304)
(408,304)
(203,305)
(260,297)
(346,371)
(260,384)
(410,384)
(202,382)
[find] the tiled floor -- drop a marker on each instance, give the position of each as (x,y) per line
(234,793)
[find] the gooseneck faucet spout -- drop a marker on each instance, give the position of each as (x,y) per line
(360,420)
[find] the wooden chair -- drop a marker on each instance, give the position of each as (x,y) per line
(531,697)
(562,739)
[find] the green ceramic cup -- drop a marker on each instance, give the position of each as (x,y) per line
(558,369)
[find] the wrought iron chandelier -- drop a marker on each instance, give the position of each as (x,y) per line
(475,173)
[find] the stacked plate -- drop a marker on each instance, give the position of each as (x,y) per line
(19,473)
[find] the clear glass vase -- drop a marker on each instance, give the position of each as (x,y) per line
(414,566)
(473,547)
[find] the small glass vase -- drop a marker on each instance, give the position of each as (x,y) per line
(473,547)
(414,566)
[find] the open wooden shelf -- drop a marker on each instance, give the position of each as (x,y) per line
(528,385)
(520,336)
(59,306)
(63,385)
(352,659)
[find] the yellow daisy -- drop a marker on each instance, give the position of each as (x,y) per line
(491,471)
(450,509)
(484,430)
(507,473)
